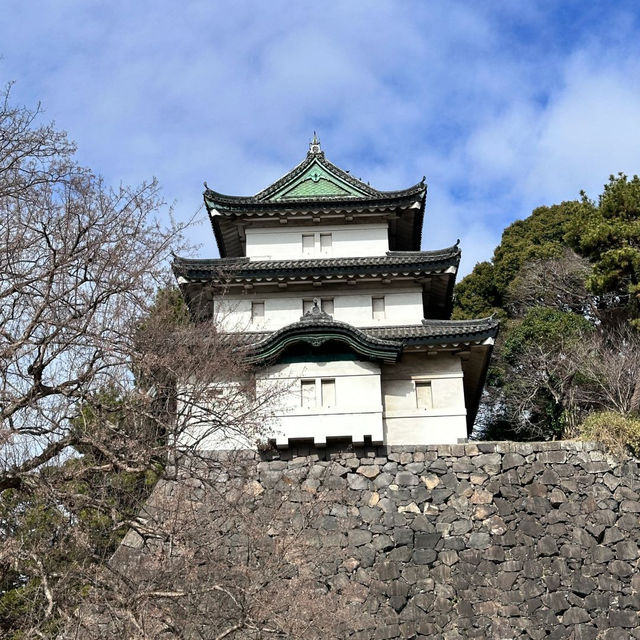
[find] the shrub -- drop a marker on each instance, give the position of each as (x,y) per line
(619,433)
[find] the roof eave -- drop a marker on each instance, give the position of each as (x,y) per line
(222,270)
(269,349)
(240,205)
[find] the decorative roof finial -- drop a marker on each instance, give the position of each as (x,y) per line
(315,313)
(314,145)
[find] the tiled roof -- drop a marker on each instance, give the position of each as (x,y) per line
(437,330)
(384,344)
(247,205)
(428,332)
(392,262)
(318,328)
(272,195)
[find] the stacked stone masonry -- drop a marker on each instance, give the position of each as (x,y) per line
(486,540)
(480,540)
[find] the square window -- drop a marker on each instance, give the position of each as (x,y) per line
(257,311)
(378,308)
(328,388)
(326,304)
(424,398)
(307,394)
(308,243)
(215,393)
(326,242)
(307,305)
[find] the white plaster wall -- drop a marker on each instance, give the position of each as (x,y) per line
(347,241)
(404,306)
(378,402)
(358,408)
(444,421)
(432,429)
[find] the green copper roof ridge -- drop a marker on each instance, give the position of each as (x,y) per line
(267,194)
(311,159)
(316,173)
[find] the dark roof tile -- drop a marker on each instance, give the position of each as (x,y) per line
(225,268)
(428,332)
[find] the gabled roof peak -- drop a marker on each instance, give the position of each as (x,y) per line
(315,314)
(313,179)
(316,178)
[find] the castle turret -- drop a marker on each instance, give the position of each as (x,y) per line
(323,278)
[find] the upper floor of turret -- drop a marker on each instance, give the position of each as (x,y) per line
(317,210)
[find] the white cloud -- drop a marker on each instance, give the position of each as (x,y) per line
(502,107)
(590,130)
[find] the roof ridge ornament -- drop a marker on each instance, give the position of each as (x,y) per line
(315,313)
(314,145)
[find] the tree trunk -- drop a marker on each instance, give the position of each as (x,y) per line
(635,399)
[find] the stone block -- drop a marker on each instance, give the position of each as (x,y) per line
(369,471)
(403,536)
(426,540)
(575,615)
(512,460)
(479,540)
(582,585)
(358,537)
(357,482)
(406,479)
(620,569)
(388,571)
(630,506)
(626,550)
(627,619)
(424,556)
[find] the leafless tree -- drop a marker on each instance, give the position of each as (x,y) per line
(544,377)
(564,353)
(107,388)
(553,282)
(608,363)
(596,371)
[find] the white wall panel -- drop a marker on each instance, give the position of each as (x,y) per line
(356,410)
(369,400)
(405,422)
(233,313)
(346,241)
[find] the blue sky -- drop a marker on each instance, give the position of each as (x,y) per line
(503,106)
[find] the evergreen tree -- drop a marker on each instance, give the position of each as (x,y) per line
(564,273)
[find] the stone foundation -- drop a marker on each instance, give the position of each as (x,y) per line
(481,540)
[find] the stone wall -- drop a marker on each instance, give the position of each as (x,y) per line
(487,540)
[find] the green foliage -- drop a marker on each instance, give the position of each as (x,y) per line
(75,519)
(542,326)
(541,235)
(477,295)
(17,602)
(617,432)
(169,307)
(36,530)
(609,235)
(604,293)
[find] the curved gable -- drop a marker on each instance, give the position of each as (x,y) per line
(317,329)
